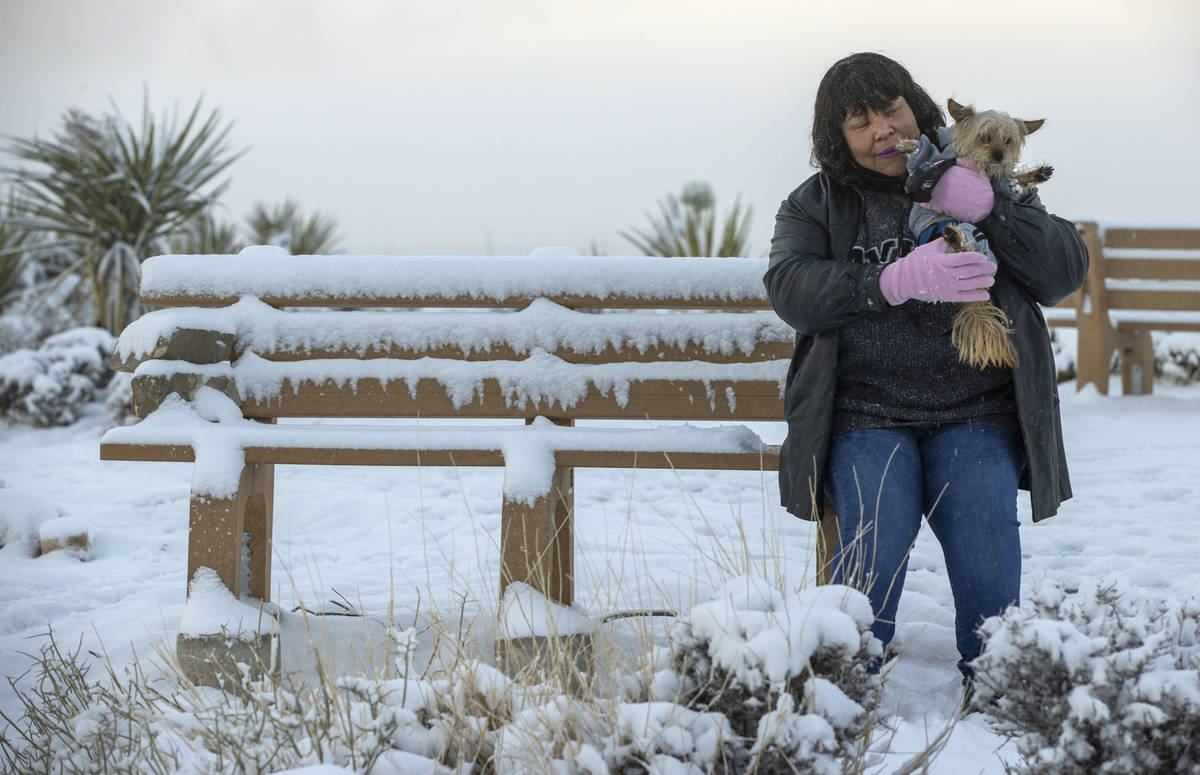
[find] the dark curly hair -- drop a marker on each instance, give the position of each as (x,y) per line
(852,86)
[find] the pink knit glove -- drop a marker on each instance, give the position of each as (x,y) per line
(929,273)
(962,193)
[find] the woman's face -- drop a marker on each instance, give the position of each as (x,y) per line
(872,136)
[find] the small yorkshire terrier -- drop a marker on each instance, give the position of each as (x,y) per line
(991,141)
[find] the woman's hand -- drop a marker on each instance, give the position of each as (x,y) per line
(929,273)
(962,193)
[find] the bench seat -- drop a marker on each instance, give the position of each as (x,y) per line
(174,432)
(233,477)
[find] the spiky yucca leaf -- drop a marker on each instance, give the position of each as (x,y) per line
(686,226)
(112,194)
(205,236)
(285,226)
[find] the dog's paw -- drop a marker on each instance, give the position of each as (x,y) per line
(906,146)
(1033,177)
(956,238)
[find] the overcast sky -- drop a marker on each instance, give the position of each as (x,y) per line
(496,127)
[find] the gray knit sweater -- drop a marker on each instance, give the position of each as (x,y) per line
(898,367)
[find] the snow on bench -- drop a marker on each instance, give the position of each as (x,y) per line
(273,276)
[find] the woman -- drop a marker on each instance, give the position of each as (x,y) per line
(882,417)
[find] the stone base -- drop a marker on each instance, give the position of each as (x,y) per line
(213,660)
(566,659)
(79,544)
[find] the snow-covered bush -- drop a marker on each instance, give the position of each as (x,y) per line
(753,682)
(119,401)
(50,385)
(1177,356)
(790,672)
(1100,681)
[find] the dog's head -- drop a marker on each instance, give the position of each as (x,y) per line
(990,139)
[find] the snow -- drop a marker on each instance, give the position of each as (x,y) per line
(213,610)
(525,612)
(427,539)
(61,529)
(410,277)
(21,516)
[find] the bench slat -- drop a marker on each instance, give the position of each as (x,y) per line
(763,351)
(463,458)
(1151,269)
(1164,239)
(658,399)
(1156,299)
(153,299)
(629,282)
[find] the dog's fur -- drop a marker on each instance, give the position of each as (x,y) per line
(992,142)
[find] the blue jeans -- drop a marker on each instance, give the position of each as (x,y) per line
(963,478)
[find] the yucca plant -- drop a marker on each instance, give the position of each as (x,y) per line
(112,194)
(15,251)
(687,226)
(206,235)
(285,226)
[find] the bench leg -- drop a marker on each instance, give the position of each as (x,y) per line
(1093,358)
(258,523)
(1137,364)
(233,535)
(537,542)
(827,540)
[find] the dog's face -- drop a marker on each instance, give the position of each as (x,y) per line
(989,139)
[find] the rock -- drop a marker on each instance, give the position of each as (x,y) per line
(149,391)
(193,345)
(65,533)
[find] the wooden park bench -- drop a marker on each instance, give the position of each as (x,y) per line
(236,344)
(1140,279)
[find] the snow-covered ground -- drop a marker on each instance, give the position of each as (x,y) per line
(429,537)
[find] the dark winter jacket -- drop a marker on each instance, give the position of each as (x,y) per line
(1042,260)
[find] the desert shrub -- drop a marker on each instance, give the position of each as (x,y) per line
(49,386)
(790,672)
(1101,681)
(755,681)
(73,723)
(119,401)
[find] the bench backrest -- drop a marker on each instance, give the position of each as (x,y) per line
(562,336)
(1140,268)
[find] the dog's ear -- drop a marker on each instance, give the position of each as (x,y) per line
(958,112)
(1033,126)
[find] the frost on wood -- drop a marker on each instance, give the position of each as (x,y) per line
(1103,680)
